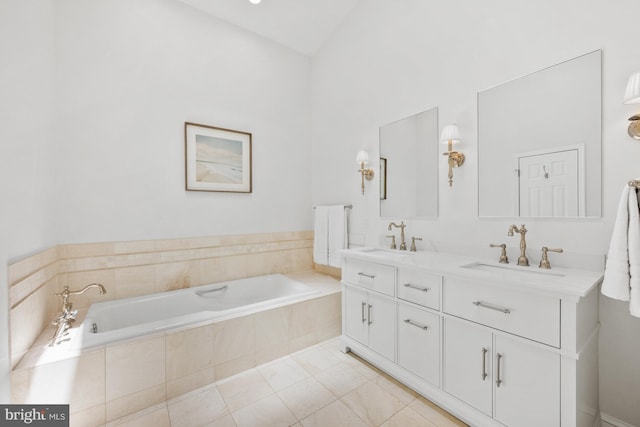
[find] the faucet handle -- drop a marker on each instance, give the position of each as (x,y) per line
(413,244)
(503,254)
(393,241)
(544,262)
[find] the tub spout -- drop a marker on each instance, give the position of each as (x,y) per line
(68,315)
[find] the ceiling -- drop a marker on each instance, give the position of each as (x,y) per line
(302,25)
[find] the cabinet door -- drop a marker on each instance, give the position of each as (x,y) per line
(419,342)
(528,393)
(467,364)
(356,314)
(381,316)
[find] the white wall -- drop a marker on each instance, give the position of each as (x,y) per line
(391,59)
(26,95)
(93,100)
(129,74)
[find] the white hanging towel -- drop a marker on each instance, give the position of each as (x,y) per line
(622,271)
(337,233)
(321,235)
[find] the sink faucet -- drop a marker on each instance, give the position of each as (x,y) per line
(68,316)
(403,244)
(522,259)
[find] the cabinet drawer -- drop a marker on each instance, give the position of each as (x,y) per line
(419,342)
(378,277)
(531,316)
(419,287)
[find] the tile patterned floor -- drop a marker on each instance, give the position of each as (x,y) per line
(316,387)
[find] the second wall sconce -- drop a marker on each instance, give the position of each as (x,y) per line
(363,159)
(632,96)
(451,135)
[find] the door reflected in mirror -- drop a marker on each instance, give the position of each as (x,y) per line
(409,166)
(539,143)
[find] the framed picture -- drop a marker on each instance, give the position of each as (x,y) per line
(383,178)
(217,159)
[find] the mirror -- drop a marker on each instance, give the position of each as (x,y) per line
(539,143)
(409,166)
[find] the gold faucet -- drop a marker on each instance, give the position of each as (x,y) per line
(522,259)
(503,253)
(403,244)
(68,316)
(544,262)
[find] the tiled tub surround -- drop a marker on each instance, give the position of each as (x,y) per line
(107,382)
(136,268)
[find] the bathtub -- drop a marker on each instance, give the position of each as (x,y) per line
(112,321)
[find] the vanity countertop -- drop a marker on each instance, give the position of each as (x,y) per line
(556,281)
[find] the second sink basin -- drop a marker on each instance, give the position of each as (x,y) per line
(504,269)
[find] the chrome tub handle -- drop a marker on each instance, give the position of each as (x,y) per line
(210,291)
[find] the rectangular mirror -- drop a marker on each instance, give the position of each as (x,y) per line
(539,143)
(409,166)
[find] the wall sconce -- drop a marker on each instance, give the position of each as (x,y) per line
(451,135)
(632,96)
(363,159)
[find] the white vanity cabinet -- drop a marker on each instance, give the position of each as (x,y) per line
(500,346)
(419,342)
(369,316)
(512,381)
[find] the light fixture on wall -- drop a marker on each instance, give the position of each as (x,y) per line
(255,1)
(632,96)
(363,159)
(451,135)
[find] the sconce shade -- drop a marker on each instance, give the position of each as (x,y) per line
(450,133)
(362,157)
(632,94)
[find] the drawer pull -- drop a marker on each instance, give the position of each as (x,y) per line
(484,363)
(364,319)
(498,379)
(416,324)
(409,285)
(491,307)
(369,314)
(370,276)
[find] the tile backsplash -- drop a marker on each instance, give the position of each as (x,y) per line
(136,268)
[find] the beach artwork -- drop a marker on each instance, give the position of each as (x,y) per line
(217,159)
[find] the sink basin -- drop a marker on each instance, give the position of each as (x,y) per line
(389,253)
(516,271)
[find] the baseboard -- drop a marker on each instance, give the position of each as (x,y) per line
(614,421)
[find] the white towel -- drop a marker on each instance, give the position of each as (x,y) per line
(321,235)
(634,253)
(337,234)
(622,272)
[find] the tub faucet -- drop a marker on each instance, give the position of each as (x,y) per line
(68,316)
(522,259)
(403,244)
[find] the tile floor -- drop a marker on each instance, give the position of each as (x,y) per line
(316,387)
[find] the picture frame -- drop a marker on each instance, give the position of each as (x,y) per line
(383,178)
(217,159)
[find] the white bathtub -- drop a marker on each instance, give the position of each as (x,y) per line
(112,321)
